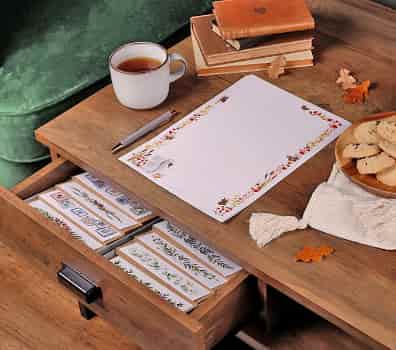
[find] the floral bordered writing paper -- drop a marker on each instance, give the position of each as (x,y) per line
(210,256)
(227,204)
(193,267)
(146,158)
(99,229)
(164,271)
(61,221)
(153,285)
(98,206)
(250,137)
(130,206)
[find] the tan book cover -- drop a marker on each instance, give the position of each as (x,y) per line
(250,18)
(217,51)
(294,60)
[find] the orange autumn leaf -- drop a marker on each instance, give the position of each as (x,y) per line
(357,94)
(345,79)
(312,254)
(325,251)
(277,67)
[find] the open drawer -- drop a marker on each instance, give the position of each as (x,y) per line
(129,306)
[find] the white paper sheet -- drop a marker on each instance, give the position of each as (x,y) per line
(152,284)
(234,148)
(185,262)
(166,272)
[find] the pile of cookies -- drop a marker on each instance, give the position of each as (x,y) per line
(375,149)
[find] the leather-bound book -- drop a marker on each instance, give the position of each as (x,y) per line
(250,18)
(216,51)
(293,60)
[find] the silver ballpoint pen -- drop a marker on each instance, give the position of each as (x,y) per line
(154,124)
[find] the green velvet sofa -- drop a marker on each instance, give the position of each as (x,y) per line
(54,53)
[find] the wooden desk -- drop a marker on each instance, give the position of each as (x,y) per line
(37,314)
(355,289)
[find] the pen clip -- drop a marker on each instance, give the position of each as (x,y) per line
(116,148)
(120,145)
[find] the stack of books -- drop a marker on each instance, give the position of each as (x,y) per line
(248,35)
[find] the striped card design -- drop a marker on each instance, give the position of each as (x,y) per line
(61,221)
(164,271)
(182,260)
(210,256)
(99,229)
(152,284)
(98,206)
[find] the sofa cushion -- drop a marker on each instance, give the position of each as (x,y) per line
(11,172)
(50,51)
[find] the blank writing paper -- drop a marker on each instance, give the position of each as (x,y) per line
(234,148)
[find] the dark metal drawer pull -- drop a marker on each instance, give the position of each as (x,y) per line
(84,288)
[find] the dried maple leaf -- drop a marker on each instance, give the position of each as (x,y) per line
(312,254)
(277,67)
(357,94)
(325,251)
(346,80)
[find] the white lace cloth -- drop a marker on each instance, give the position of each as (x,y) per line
(340,208)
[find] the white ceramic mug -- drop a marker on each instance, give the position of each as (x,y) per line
(147,89)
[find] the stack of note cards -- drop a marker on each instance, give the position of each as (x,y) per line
(176,266)
(91,210)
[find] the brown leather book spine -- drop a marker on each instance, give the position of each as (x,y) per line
(232,33)
(251,18)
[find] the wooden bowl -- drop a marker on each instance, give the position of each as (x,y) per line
(348,165)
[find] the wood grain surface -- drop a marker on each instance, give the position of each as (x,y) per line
(38,314)
(364,24)
(344,289)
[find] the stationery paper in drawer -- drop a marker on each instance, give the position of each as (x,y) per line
(164,271)
(99,229)
(210,256)
(99,206)
(130,206)
(74,231)
(152,284)
(196,269)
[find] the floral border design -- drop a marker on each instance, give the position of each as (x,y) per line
(140,159)
(111,215)
(184,306)
(180,258)
(172,276)
(56,220)
(134,206)
(226,205)
(63,224)
(98,226)
(219,262)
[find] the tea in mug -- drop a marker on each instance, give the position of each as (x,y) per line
(139,64)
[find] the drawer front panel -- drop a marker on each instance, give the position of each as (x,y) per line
(125,303)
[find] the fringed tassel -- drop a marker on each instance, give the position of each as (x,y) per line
(265,227)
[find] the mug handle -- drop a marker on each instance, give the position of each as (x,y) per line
(182,70)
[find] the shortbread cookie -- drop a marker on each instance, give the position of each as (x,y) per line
(387,130)
(391,118)
(360,150)
(388,176)
(366,132)
(388,147)
(375,164)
